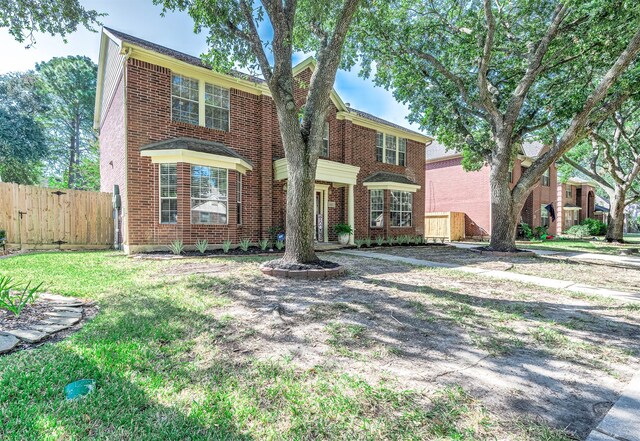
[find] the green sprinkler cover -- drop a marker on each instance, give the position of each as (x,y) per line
(79,389)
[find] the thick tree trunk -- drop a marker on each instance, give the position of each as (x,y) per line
(615,230)
(504,217)
(300,193)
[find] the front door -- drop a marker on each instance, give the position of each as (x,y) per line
(318,216)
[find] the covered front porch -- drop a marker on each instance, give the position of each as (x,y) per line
(329,174)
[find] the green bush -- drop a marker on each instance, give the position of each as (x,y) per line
(226,246)
(358,243)
(279,244)
(14,296)
(596,228)
(264,244)
(579,231)
(176,247)
(527,232)
(542,232)
(368,242)
(201,245)
(244,244)
(343,229)
(380,240)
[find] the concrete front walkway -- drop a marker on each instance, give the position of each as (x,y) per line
(503,275)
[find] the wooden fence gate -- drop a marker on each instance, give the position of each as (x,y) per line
(45,218)
(447,225)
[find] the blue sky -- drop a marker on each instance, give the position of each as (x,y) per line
(142,19)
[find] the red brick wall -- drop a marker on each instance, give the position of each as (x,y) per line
(112,149)
(255,135)
(451,188)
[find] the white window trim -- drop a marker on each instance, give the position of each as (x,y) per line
(226,170)
(384,150)
(160,198)
(568,193)
(396,211)
(199,98)
(547,175)
(239,190)
(544,214)
(371,208)
(201,102)
(326,125)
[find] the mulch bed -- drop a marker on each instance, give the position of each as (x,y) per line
(320,264)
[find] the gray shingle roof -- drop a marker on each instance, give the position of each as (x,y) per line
(532,149)
(195,145)
(436,150)
(388,177)
(196,61)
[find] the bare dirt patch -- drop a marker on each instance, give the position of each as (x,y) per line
(524,352)
(594,273)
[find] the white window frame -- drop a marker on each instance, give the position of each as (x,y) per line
(161,198)
(400,143)
(202,104)
(544,214)
(371,211)
(191,197)
(546,176)
(510,174)
(239,214)
(324,152)
(568,192)
(401,195)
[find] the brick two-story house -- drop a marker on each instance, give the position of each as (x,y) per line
(197,154)
(577,200)
(450,188)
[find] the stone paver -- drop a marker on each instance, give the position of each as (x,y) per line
(49,328)
(622,422)
(503,275)
(68,321)
(29,335)
(7,342)
(68,314)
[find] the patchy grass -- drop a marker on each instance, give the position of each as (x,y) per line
(582,245)
(185,350)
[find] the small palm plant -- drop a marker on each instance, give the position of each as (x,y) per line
(176,247)
(264,244)
(368,241)
(244,245)
(226,246)
(279,244)
(380,240)
(359,242)
(201,245)
(14,296)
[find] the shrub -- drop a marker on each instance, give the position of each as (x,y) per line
(578,231)
(244,244)
(380,240)
(401,239)
(359,242)
(368,242)
(391,240)
(342,229)
(14,296)
(596,228)
(419,239)
(274,231)
(201,245)
(527,232)
(541,232)
(226,246)
(264,244)
(176,247)
(279,244)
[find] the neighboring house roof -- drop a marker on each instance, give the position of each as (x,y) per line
(569,206)
(194,145)
(601,204)
(389,177)
(439,152)
(197,61)
(580,181)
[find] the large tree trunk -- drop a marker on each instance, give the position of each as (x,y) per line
(504,217)
(615,230)
(300,194)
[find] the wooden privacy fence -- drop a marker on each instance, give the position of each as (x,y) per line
(448,225)
(45,218)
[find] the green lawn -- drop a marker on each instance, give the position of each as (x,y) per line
(583,246)
(154,385)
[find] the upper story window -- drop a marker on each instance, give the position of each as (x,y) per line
(390,149)
(184,100)
(216,107)
(324,152)
(546,178)
(568,192)
(199,103)
(208,195)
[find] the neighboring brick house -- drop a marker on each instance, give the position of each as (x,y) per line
(450,188)
(198,154)
(577,198)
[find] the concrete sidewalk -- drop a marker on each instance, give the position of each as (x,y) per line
(503,275)
(632,261)
(622,422)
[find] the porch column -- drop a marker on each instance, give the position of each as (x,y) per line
(351,214)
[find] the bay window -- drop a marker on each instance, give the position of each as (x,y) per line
(208,195)
(376,208)
(401,208)
(168,194)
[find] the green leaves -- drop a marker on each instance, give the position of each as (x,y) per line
(15,296)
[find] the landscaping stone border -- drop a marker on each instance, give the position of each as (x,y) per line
(62,314)
(522,253)
(308,274)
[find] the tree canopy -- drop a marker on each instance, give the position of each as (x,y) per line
(56,17)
